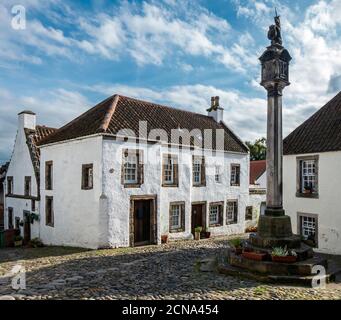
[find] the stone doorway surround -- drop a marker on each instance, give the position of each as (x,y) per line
(153,218)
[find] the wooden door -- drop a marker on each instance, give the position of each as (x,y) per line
(142,222)
(27,227)
(197,216)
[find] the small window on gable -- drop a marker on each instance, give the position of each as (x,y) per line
(27,186)
(235,175)
(87,176)
(177,217)
(49,214)
(232,212)
(48,175)
(9,185)
(307,176)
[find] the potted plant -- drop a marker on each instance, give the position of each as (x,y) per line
(197,232)
(35,243)
(280,254)
(237,246)
(21,223)
(205,234)
(18,241)
(254,255)
(34,217)
(164,238)
(308,189)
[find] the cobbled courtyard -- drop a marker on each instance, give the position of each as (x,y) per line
(155,272)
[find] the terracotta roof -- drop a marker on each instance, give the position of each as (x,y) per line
(119,112)
(33,137)
(257,168)
(320,133)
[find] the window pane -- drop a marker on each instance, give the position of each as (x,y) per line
(214,215)
(175,219)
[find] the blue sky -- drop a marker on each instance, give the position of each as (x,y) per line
(74,54)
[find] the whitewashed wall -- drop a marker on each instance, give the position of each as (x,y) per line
(19,167)
(327,206)
(100,217)
(118,198)
(76,211)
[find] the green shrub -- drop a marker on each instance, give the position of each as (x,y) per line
(237,242)
(36,243)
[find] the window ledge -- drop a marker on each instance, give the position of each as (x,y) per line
(87,188)
(50,225)
(307,195)
(170,185)
(176,230)
(231,223)
(235,185)
(132,185)
(199,185)
(215,225)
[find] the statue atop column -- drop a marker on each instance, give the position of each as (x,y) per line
(274,33)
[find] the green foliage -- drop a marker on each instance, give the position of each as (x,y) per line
(257,149)
(18,238)
(237,243)
(280,251)
(36,243)
(198,229)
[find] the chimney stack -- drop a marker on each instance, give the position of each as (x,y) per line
(215,111)
(27,120)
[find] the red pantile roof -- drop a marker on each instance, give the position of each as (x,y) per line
(257,168)
(33,137)
(119,112)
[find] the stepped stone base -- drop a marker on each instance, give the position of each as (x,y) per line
(300,268)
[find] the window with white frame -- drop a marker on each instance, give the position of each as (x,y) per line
(175,218)
(308,176)
(169,170)
(308,228)
(217,175)
(235,175)
(214,214)
(197,171)
(130,168)
(231,212)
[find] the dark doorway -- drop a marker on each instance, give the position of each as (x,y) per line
(142,222)
(27,227)
(198,216)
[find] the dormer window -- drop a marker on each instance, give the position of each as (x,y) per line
(307,176)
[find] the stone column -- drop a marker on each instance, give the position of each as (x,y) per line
(274,159)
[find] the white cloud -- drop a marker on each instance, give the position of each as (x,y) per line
(54,108)
(150,33)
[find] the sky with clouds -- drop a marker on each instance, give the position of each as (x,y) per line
(74,54)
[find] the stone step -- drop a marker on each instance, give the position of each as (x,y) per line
(300,268)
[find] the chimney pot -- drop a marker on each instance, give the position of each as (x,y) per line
(212,102)
(216,101)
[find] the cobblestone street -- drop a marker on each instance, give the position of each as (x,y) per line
(156,272)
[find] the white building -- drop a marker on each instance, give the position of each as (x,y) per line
(312,171)
(99,187)
(257,191)
(22,178)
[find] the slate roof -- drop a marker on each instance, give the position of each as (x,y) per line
(33,137)
(119,112)
(320,133)
(257,168)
